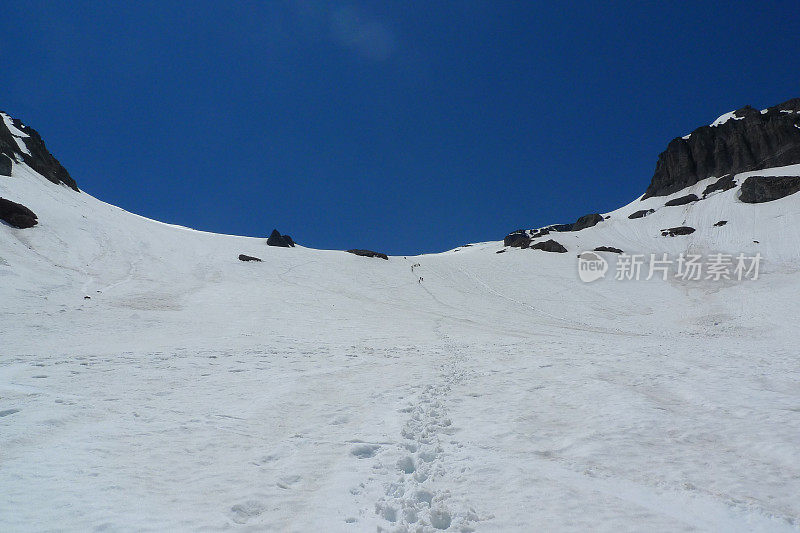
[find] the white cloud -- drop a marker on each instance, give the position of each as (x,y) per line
(347,25)
(364,35)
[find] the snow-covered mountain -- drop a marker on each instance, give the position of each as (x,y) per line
(150,380)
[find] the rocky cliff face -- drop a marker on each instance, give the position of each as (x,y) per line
(22,144)
(744,140)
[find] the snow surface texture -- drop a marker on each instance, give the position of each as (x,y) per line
(321,391)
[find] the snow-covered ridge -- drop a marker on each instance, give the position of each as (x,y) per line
(9,122)
(722,119)
(725,117)
(766,228)
(152,381)
(22,145)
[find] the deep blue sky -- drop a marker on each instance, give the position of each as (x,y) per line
(404,127)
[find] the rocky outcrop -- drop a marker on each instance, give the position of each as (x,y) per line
(748,140)
(522,238)
(587,221)
(517,239)
(368,253)
(5,165)
(674,232)
(557,227)
(608,249)
(641,213)
(243,257)
(759,189)
(683,200)
(725,183)
(276,239)
(23,144)
(549,246)
(17,215)
(541,232)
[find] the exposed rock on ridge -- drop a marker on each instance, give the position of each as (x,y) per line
(276,239)
(517,239)
(587,221)
(368,253)
(21,143)
(747,140)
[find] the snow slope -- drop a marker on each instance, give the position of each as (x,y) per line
(319,390)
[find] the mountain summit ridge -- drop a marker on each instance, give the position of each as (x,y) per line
(739,141)
(22,144)
(712,159)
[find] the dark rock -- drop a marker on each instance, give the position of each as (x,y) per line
(608,249)
(500,252)
(753,142)
(549,246)
(517,239)
(721,223)
(541,232)
(522,238)
(5,165)
(587,221)
(683,200)
(560,227)
(368,253)
(40,159)
(680,230)
(759,189)
(243,257)
(17,215)
(725,183)
(641,213)
(276,239)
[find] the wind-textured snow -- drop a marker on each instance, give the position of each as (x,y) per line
(321,391)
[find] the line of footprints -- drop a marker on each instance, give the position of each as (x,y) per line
(410,504)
